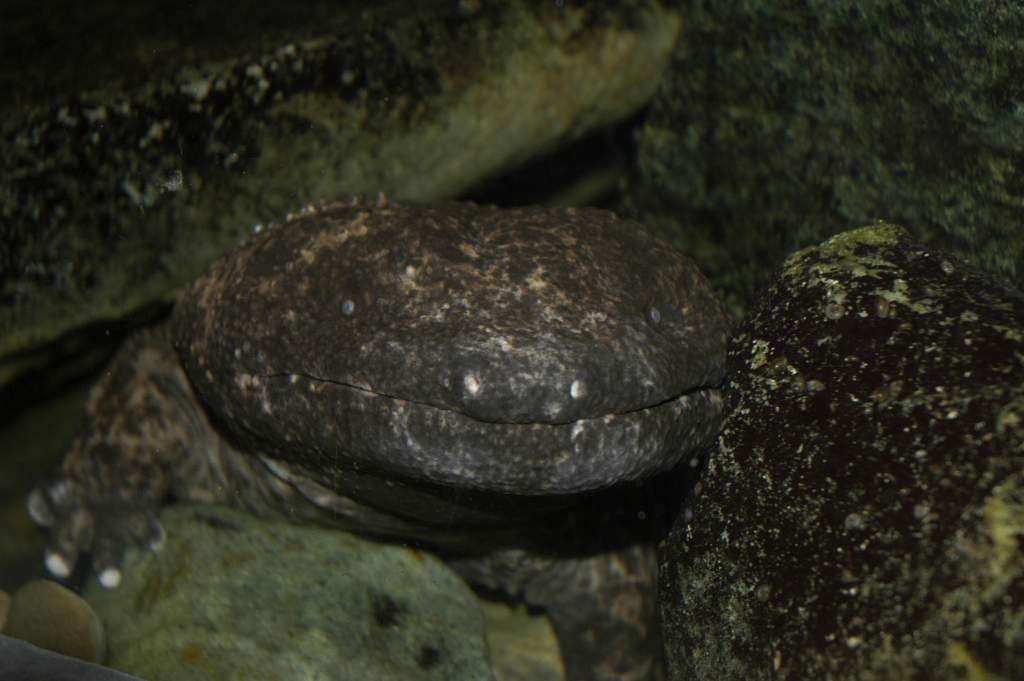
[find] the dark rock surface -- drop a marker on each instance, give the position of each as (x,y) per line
(26,662)
(781,123)
(864,516)
(528,351)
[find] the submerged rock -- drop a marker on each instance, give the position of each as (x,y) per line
(233,597)
(863,518)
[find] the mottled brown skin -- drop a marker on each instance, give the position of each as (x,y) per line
(580,551)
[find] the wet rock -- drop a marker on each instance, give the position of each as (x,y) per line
(234,597)
(114,197)
(780,124)
(52,616)
(864,516)
(522,644)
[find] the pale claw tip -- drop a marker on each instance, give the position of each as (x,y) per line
(57,566)
(110,578)
(38,509)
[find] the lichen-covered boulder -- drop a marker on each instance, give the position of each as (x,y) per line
(863,516)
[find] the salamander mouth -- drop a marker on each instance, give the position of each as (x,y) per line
(416,441)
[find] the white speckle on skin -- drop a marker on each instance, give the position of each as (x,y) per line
(472,383)
(577,428)
(576,390)
(655,315)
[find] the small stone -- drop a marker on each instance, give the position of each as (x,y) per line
(51,616)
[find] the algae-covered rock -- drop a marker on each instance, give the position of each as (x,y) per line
(113,197)
(864,514)
(523,645)
(232,597)
(781,123)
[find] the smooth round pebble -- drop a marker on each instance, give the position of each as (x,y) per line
(51,616)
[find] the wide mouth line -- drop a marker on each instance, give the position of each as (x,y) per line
(386,395)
